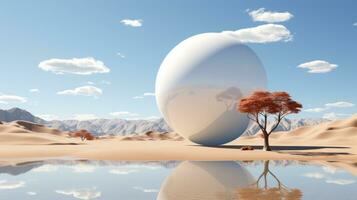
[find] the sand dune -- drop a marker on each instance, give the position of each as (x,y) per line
(340,132)
(35,127)
(336,141)
(28,133)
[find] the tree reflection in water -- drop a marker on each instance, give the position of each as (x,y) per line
(264,192)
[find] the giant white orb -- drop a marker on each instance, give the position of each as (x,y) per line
(214,180)
(199,83)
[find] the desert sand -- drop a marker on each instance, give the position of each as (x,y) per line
(332,142)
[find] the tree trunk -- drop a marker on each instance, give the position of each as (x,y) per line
(266,166)
(265,172)
(266,143)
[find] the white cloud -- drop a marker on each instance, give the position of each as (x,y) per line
(83,168)
(101,82)
(329,169)
(32,193)
(34,90)
(83,117)
(330,116)
(9,185)
(122,171)
(124,114)
(315,110)
(138,97)
(261,34)
(143,118)
(340,181)
(80,66)
(152,117)
(315,175)
(355,24)
(46,168)
(132,22)
(149,94)
(329,180)
(334,116)
(261,15)
(85,194)
(9,99)
(120,113)
(82,91)
(48,117)
(318,66)
(132,116)
(146,94)
(146,190)
(340,104)
(121,55)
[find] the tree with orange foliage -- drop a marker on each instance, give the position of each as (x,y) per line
(84,135)
(262,104)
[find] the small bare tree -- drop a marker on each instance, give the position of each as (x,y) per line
(262,104)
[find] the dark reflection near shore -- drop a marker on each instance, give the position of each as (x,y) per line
(261,190)
(25,167)
(20,168)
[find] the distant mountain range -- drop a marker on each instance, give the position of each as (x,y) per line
(14,114)
(286,125)
(126,127)
(111,126)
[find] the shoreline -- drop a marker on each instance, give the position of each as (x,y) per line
(185,151)
(176,150)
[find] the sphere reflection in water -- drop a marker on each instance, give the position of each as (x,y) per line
(199,84)
(205,180)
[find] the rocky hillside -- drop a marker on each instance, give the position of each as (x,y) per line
(286,125)
(111,126)
(15,114)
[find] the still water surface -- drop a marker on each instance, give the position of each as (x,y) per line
(174,180)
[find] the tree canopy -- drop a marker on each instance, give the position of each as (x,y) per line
(262,104)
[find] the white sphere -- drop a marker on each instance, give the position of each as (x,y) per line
(199,83)
(213,180)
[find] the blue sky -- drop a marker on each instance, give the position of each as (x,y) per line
(126,41)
